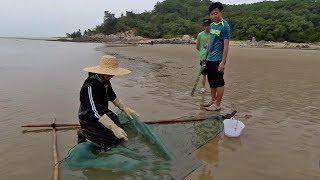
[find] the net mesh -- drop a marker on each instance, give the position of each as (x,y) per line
(152,152)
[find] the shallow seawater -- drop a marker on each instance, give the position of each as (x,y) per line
(279,89)
(40,81)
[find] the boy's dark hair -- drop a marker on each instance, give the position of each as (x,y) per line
(215,5)
(206,22)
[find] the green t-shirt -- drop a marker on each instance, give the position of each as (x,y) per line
(204,41)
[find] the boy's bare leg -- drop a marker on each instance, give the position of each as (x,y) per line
(216,95)
(213,97)
(213,94)
(204,79)
(219,96)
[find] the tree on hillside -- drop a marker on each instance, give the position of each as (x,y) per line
(76,34)
(283,20)
(109,23)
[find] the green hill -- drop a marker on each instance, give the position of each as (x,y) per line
(286,20)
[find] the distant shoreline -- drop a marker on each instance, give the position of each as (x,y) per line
(236,43)
(59,39)
(33,38)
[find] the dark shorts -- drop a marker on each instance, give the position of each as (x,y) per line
(215,77)
(205,70)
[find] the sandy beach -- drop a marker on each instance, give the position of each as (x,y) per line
(277,88)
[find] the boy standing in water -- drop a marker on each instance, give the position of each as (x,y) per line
(202,47)
(217,55)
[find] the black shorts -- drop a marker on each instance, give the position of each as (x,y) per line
(205,70)
(215,77)
(99,134)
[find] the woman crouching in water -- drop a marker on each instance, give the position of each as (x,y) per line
(98,123)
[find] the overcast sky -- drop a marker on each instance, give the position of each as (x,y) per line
(48,18)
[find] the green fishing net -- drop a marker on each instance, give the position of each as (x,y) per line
(152,152)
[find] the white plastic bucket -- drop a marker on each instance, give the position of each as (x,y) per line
(233,127)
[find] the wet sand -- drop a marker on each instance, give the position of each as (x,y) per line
(279,88)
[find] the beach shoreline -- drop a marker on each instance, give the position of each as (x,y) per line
(177,41)
(233,43)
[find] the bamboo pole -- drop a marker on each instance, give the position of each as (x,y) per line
(26,131)
(170,121)
(175,121)
(51,125)
(55,154)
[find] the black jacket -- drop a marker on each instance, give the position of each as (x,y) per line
(94,97)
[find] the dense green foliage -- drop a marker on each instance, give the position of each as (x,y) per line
(290,20)
(76,34)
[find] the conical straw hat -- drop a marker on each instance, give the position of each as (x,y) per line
(108,65)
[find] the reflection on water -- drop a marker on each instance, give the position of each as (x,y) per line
(210,153)
(231,143)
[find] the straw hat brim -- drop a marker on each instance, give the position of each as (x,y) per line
(108,71)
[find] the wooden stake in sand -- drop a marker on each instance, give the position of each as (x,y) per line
(55,153)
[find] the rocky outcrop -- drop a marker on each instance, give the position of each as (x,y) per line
(130,37)
(123,37)
(278,45)
(186,39)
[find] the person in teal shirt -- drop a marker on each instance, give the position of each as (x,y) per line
(217,55)
(202,47)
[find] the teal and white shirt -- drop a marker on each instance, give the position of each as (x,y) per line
(218,33)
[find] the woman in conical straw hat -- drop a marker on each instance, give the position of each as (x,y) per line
(99,124)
